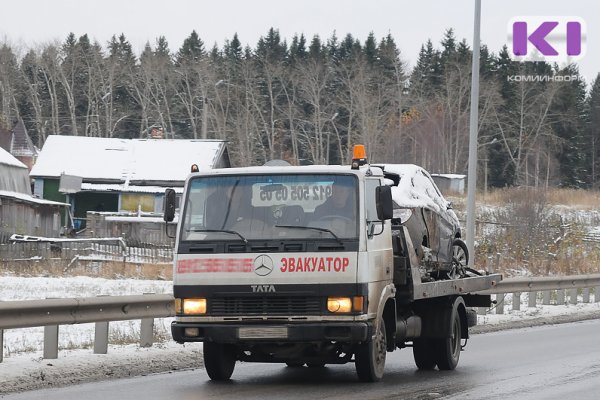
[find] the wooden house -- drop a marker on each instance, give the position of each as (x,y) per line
(120,175)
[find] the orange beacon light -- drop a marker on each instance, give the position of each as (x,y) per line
(359,156)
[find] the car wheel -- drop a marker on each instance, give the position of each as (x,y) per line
(460,259)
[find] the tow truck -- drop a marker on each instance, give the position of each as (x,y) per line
(267,269)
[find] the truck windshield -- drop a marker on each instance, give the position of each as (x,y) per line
(271,207)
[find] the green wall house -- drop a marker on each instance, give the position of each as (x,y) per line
(118,175)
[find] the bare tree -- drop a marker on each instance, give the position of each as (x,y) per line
(9,78)
(314,79)
(523,130)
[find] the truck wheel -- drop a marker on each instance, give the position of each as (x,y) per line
(219,360)
(448,349)
(471,317)
(370,356)
(424,353)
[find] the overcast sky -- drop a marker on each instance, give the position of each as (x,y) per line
(26,23)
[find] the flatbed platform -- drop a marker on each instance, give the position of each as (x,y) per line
(455,286)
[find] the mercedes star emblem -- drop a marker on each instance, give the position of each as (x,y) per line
(263,265)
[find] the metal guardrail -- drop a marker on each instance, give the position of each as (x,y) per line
(51,313)
(557,286)
(535,284)
(30,313)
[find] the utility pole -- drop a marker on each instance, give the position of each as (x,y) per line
(473,125)
(204,118)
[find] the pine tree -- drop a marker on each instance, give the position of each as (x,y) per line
(316,50)
(298,50)
(270,48)
(388,59)
(567,125)
(121,61)
(31,103)
(370,48)
(426,76)
(233,51)
(191,51)
(349,48)
(10,86)
(162,51)
(448,54)
(593,132)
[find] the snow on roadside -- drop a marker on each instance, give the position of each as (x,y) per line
(20,288)
(539,311)
(80,335)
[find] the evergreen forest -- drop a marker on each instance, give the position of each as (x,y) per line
(308,101)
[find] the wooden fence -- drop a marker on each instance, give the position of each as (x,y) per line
(68,251)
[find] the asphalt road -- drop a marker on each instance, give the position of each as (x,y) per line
(553,362)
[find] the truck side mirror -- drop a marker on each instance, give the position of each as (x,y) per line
(383,202)
(170,204)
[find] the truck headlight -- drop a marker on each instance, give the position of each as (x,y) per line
(345,304)
(339,304)
(194,306)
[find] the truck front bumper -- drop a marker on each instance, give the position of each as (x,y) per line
(353,332)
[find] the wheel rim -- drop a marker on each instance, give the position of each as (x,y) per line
(459,256)
(456,339)
(459,262)
(380,349)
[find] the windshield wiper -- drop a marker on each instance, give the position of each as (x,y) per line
(315,228)
(219,231)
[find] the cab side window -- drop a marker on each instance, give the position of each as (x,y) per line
(370,204)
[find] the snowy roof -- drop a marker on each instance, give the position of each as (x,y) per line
(30,199)
(125,160)
(123,188)
(304,169)
(9,159)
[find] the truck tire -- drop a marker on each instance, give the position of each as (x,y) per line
(219,360)
(471,317)
(448,349)
(370,356)
(424,353)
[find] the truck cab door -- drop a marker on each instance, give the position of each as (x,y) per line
(378,234)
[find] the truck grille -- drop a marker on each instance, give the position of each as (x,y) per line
(284,305)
